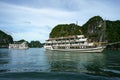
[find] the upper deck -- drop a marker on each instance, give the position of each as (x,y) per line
(76,38)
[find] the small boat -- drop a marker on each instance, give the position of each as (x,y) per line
(22,45)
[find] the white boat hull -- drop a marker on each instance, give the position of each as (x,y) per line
(96,49)
(20,48)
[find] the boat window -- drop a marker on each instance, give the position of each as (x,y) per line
(82,42)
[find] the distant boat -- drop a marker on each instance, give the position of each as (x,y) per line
(75,43)
(22,45)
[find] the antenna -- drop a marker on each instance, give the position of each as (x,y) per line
(76,22)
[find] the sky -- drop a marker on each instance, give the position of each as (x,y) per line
(34,19)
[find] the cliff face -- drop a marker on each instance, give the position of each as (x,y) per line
(93,28)
(5,39)
(92,25)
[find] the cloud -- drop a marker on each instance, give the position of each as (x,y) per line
(34,19)
(25,23)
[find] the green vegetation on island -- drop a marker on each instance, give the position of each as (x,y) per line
(63,30)
(35,44)
(113,33)
(32,44)
(5,39)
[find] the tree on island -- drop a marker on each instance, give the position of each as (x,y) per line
(35,44)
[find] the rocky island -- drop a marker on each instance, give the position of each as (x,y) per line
(5,39)
(91,29)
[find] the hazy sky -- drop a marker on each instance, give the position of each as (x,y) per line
(34,19)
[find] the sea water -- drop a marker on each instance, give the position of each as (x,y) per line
(41,64)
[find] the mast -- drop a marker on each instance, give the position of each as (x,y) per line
(76,22)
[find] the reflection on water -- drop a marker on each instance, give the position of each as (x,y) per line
(23,60)
(4,59)
(40,60)
(74,61)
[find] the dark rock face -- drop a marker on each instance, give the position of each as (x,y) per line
(5,39)
(93,28)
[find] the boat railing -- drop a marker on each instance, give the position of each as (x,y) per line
(77,44)
(85,39)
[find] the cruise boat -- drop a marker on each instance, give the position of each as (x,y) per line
(78,43)
(73,43)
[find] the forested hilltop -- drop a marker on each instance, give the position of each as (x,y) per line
(5,39)
(62,30)
(92,29)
